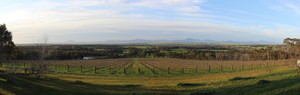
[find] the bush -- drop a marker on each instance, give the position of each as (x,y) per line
(189,84)
(10,81)
(206,92)
(133,85)
(263,82)
(79,82)
(241,78)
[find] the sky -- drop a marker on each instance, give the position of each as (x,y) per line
(100,20)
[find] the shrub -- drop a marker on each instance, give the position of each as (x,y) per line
(206,92)
(10,81)
(189,84)
(133,85)
(241,78)
(263,81)
(79,82)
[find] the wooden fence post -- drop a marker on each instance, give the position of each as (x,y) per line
(209,68)
(25,70)
(182,70)
(68,68)
(221,67)
(168,70)
(95,69)
(109,70)
(242,66)
(139,70)
(260,64)
(124,70)
(81,69)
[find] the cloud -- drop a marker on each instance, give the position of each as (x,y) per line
(175,5)
(85,20)
(189,9)
(293,6)
(288,5)
(282,31)
(72,15)
(78,3)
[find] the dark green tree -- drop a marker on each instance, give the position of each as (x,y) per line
(7,46)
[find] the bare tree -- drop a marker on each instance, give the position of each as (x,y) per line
(39,67)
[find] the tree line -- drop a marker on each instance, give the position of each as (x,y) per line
(78,52)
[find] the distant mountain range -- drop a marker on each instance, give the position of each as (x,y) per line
(187,40)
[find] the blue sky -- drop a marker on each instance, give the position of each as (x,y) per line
(99,20)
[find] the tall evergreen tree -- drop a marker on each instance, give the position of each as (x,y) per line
(7,46)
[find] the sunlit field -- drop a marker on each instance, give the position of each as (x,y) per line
(154,76)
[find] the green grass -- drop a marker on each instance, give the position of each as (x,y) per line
(52,86)
(282,80)
(139,47)
(211,50)
(99,49)
(179,50)
(286,83)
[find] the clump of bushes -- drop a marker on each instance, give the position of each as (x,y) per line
(133,85)
(189,84)
(241,78)
(263,82)
(206,92)
(10,81)
(79,82)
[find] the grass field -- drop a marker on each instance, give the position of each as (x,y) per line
(150,76)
